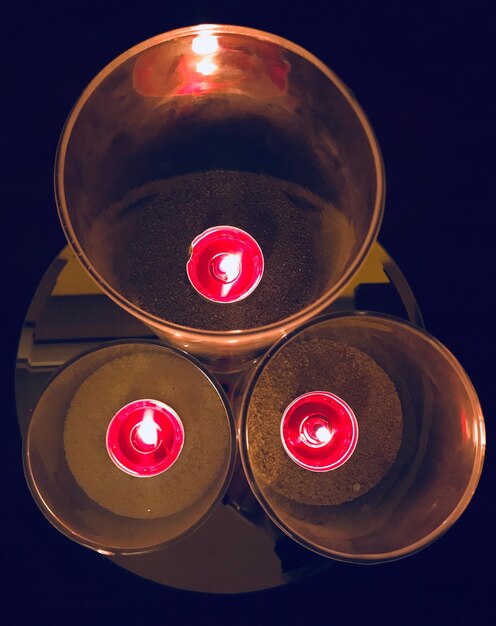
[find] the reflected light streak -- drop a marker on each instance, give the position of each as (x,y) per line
(205,44)
(206,67)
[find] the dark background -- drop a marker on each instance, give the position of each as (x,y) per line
(425,76)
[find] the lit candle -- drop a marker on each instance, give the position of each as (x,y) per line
(226,264)
(145,438)
(319,431)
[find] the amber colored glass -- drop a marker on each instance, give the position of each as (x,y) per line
(209,98)
(437,467)
(56,488)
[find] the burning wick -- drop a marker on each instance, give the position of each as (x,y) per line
(205,45)
(145,438)
(319,431)
(315,431)
(226,264)
(226,267)
(145,433)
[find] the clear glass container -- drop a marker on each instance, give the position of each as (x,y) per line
(420,446)
(69,470)
(219,126)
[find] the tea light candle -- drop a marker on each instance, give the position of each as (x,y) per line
(275,213)
(319,431)
(145,438)
(226,264)
(294,440)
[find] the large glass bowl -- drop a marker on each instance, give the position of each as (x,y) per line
(434,472)
(219,125)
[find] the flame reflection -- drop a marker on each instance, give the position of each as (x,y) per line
(206,43)
(212,64)
(206,67)
(323,434)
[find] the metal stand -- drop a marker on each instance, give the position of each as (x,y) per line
(238,549)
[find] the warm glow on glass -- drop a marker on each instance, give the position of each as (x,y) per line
(205,43)
(206,67)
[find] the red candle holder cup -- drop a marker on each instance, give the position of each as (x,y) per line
(319,431)
(145,438)
(226,264)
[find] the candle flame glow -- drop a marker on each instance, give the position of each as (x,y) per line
(147,430)
(205,43)
(230,266)
(323,434)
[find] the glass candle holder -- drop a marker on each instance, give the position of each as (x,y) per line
(121,455)
(214,127)
(420,442)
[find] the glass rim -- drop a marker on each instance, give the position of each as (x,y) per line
(187,332)
(108,549)
(477,466)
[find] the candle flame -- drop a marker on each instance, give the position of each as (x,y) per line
(230,265)
(205,43)
(147,430)
(323,434)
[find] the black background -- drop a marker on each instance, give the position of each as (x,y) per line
(425,76)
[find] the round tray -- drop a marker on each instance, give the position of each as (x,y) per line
(238,549)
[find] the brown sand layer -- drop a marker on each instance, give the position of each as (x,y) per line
(153,227)
(202,463)
(323,365)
